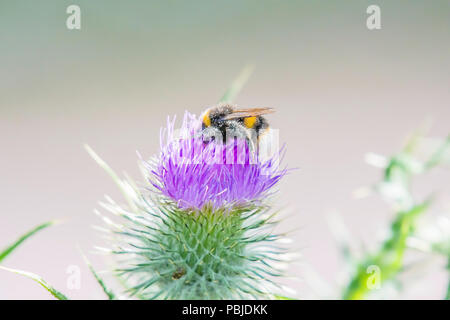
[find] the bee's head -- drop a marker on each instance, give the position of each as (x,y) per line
(210,134)
(214,124)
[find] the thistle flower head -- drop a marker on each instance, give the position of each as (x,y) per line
(205,233)
(194,174)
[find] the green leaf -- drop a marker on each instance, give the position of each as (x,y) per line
(108,292)
(237,84)
(278,297)
(58,295)
(390,257)
(12,247)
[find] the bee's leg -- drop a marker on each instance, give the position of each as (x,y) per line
(250,136)
(236,130)
(252,140)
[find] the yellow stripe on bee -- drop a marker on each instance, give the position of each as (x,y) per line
(207,119)
(249,122)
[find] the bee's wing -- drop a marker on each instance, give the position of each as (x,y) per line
(250,112)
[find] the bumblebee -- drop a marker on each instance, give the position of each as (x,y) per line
(227,121)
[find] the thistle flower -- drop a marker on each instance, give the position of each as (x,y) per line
(194,174)
(202,228)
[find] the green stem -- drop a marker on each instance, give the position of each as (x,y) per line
(237,85)
(389,259)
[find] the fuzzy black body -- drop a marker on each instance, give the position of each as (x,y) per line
(232,122)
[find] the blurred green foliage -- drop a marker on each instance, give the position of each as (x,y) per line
(396,188)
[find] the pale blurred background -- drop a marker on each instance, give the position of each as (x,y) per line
(340,91)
